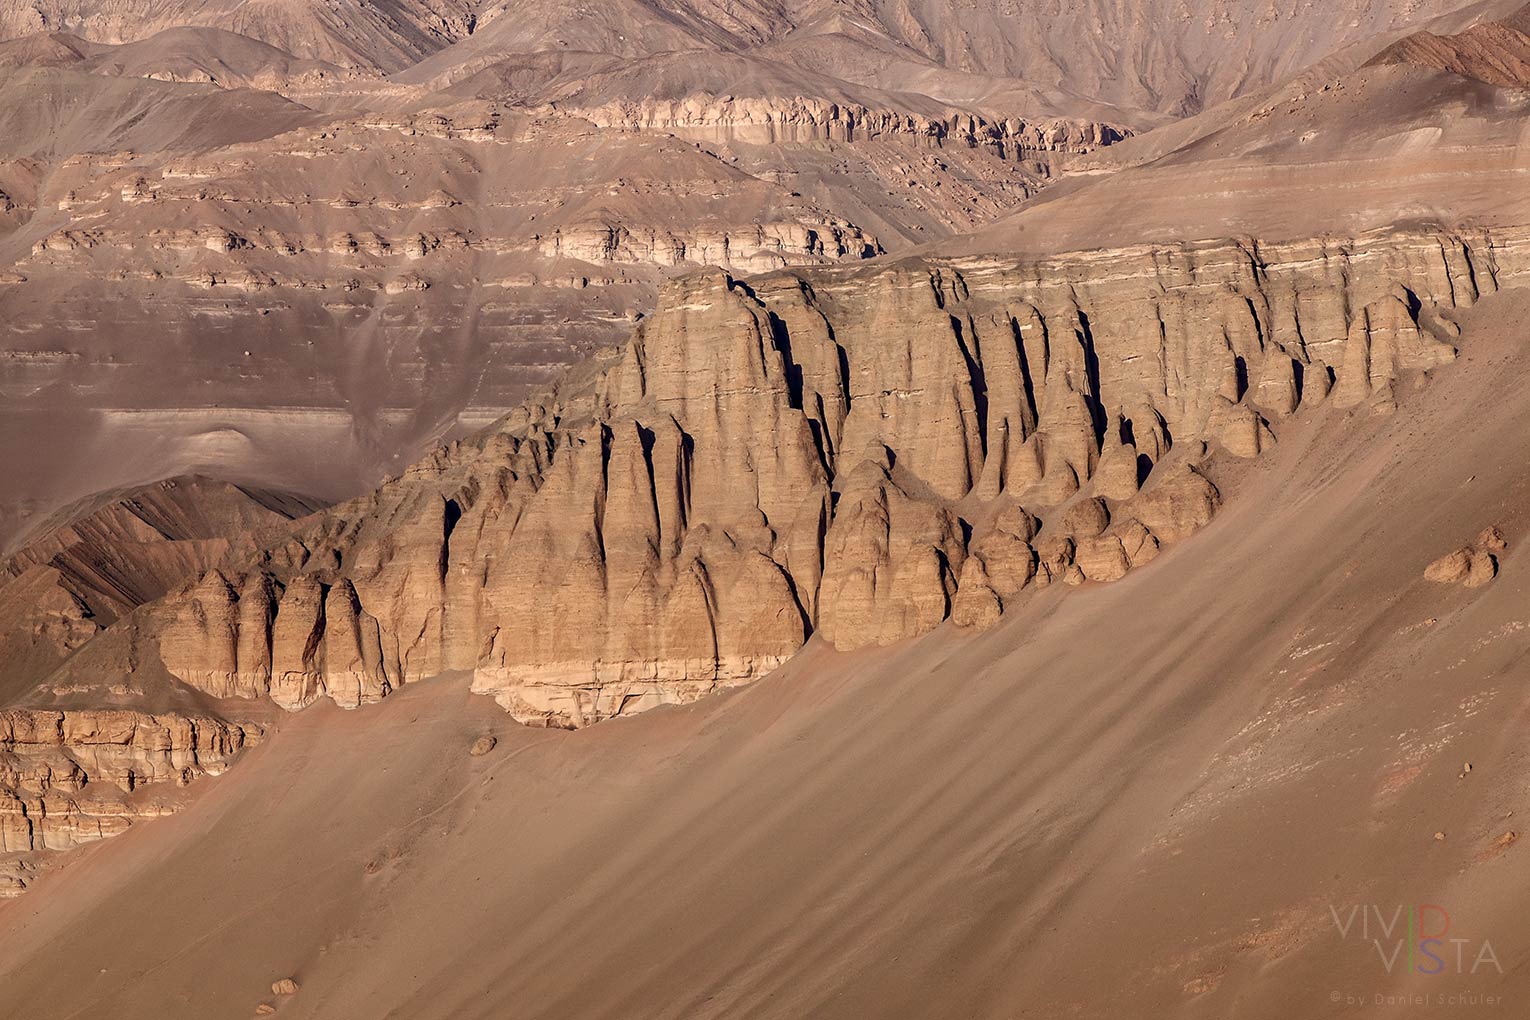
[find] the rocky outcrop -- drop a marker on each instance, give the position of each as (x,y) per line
(118,550)
(888,560)
(99,559)
(782,119)
(758,247)
(73,777)
(1471,565)
(858,455)
(219,256)
(765,247)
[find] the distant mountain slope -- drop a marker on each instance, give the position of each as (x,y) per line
(1151,56)
(1395,140)
(54,112)
(1163,56)
(103,556)
(384,35)
(1496,51)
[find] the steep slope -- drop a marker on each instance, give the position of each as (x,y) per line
(215,56)
(1160,56)
(990,826)
(1496,51)
(1377,145)
(627,28)
(372,36)
(97,560)
(1151,59)
(857,455)
(58,112)
(202,516)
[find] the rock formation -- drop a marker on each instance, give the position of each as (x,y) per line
(98,560)
(66,776)
(507,245)
(1471,565)
(778,119)
(857,455)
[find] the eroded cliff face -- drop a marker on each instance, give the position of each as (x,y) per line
(73,777)
(773,120)
(857,454)
(380,279)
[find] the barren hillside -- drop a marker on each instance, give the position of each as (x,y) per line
(769,509)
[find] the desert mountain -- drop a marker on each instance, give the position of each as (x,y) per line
(979,821)
(377,37)
(1089,500)
(391,222)
(210,55)
(1155,56)
(1493,50)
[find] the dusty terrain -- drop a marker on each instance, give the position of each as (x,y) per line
(1268,720)
(768,509)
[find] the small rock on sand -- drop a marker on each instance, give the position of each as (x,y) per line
(1468,566)
(286,986)
(482,746)
(1492,540)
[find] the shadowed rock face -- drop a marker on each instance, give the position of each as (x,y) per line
(310,305)
(99,559)
(854,454)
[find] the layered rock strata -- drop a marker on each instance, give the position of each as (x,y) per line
(762,247)
(76,776)
(774,120)
(855,454)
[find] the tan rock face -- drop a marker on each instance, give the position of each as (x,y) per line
(859,455)
(1452,568)
(977,605)
(772,121)
(1492,540)
(889,563)
(68,777)
(1472,565)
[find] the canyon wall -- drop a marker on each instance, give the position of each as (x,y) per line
(73,777)
(774,120)
(855,453)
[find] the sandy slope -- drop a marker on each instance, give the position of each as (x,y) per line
(1132,800)
(1373,147)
